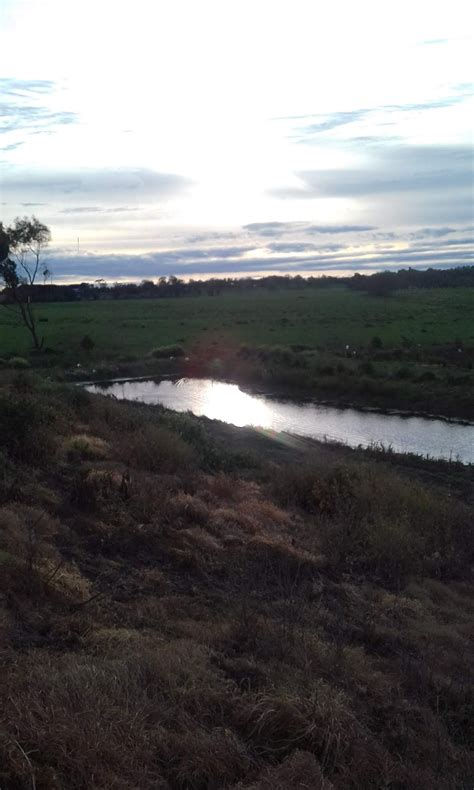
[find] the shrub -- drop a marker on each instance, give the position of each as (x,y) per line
(188,508)
(20,363)
(157,449)
(164,352)
(367,368)
(87,344)
(79,398)
(98,491)
(403,373)
(25,533)
(26,381)
(24,424)
(86,448)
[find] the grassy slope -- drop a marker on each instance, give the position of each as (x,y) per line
(181,611)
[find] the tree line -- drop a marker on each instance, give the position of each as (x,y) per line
(23,267)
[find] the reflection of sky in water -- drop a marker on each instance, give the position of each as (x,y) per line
(228,403)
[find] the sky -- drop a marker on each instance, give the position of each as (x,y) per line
(234,137)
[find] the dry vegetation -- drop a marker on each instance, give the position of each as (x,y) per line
(176,616)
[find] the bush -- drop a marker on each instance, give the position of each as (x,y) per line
(26,381)
(87,344)
(86,448)
(24,424)
(156,449)
(367,368)
(403,373)
(374,522)
(294,486)
(165,352)
(78,398)
(25,533)
(20,363)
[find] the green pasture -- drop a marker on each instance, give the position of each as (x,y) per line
(329,319)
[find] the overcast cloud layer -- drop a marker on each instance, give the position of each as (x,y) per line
(233,138)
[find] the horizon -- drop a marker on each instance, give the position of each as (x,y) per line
(199,140)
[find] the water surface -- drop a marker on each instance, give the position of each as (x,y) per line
(227,402)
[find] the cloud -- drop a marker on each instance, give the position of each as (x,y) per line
(11,146)
(24,107)
(319,123)
(417,183)
(80,210)
(338,228)
(97,210)
(209,236)
(438,233)
(333,120)
(280,228)
(295,247)
(9,86)
(432,41)
(102,184)
(271,228)
(469,242)
(214,253)
(15,117)
(276,256)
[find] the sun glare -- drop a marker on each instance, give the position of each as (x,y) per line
(224,401)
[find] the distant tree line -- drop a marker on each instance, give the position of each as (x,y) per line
(166,287)
(383,283)
(22,264)
(378,284)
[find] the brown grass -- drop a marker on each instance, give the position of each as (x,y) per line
(162,627)
(156,449)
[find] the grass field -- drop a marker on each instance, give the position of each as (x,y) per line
(413,350)
(318,318)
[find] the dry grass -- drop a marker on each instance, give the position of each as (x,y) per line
(156,449)
(26,533)
(83,447)
(188,631)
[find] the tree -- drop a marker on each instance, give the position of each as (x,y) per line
(4,245)
(21,262)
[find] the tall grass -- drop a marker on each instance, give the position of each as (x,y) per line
(173,621)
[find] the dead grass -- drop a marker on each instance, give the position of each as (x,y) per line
(300,771)
(83,447)
(188,631)
(156,449)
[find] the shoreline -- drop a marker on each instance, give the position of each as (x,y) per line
(283,395)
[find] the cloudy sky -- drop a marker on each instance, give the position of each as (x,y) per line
(195,137)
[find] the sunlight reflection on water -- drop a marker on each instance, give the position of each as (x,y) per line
(228,403)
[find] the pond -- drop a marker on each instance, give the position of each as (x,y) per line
(218,400)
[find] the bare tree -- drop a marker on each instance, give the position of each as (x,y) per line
(22,245)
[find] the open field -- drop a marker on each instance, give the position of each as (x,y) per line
(189,606)
(319,318)
(413,350)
